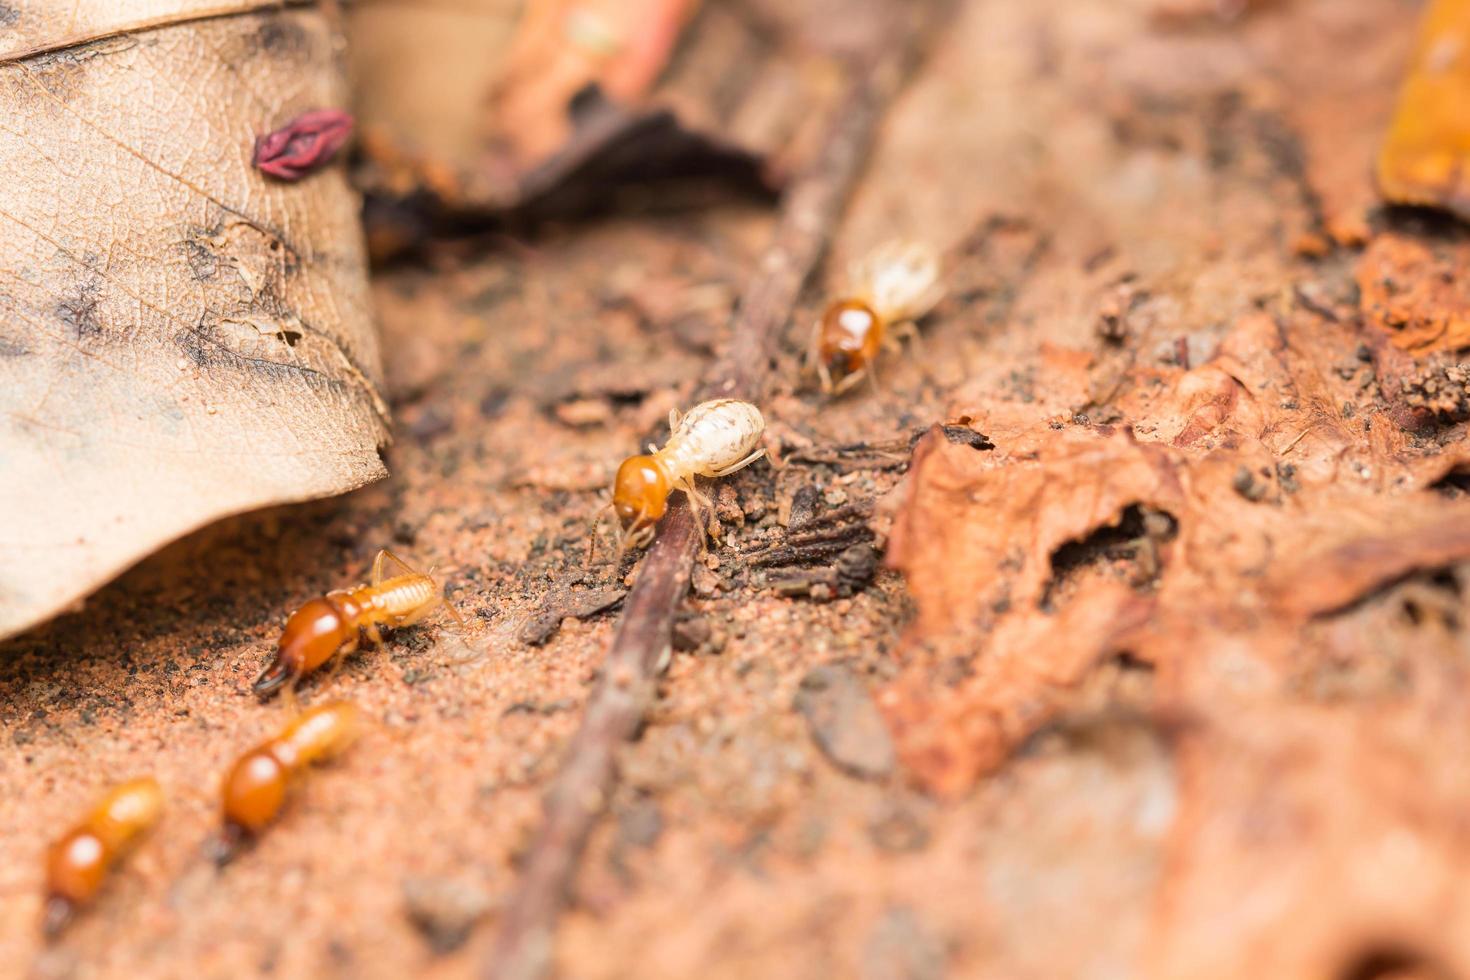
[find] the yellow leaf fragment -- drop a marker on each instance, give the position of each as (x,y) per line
(1424,157)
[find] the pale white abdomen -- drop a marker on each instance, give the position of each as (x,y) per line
(714,436)
(899,280)
(399,596)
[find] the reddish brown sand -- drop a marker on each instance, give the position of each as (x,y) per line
(1096,141)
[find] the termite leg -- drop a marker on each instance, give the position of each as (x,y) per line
(619,538)
(341,655)
(812,360)
(694,508)
(772,443)
(704,512)
(825,376)
(333,668)
(384,556)
(418,615)
(421,613)
(454,614)
(852,379)
(907,332)
(429,608)
(738,466)
(460,628)
(674,419)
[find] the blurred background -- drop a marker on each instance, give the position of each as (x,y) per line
(1116,631)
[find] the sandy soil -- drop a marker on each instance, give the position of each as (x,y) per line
(766,822)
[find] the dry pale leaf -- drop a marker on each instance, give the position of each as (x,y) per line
(183,338)
(30,27)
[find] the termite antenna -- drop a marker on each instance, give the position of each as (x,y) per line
(594,527)
(811,362)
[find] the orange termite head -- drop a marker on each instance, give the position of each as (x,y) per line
(312,634)
(849,337)
(77,864)
(253,795)
(75,868)
(640,497)
(254,791)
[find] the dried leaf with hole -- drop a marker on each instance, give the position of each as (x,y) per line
(183,338)
(1252,507)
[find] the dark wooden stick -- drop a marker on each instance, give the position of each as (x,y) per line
(809,213)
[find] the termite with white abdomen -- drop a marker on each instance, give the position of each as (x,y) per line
(714,439)
(892,288)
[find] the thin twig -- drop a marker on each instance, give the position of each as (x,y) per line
(809,214)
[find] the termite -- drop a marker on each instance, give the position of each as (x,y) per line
(333,625)
(254,791)
(78,863)
(888,291)
(714,439)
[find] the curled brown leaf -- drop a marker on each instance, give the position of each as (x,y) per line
(1035,561)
